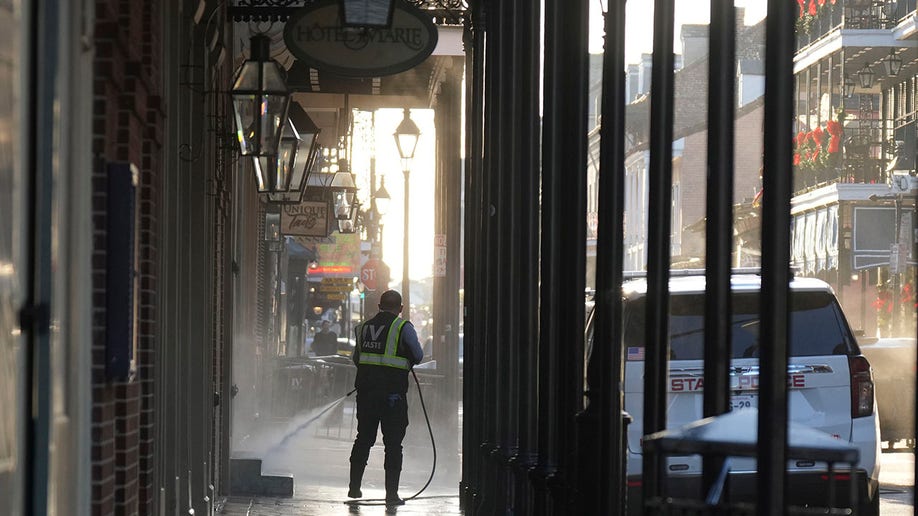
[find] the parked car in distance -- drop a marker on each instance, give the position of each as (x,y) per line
(428,363)
(893,363)
(830,385)
(346,346)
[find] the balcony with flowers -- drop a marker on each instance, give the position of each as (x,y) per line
(818,156)
(840,150)
(818,18)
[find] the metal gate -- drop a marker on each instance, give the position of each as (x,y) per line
(540,448)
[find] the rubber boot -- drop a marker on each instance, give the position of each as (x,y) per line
(392,487)
(353,490)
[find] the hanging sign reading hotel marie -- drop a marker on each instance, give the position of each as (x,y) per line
(315,35)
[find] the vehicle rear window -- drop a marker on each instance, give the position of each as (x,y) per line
(816,326)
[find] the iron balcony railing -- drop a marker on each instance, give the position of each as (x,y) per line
(865,171)
(903,9)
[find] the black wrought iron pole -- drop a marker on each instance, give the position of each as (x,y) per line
(471,398)
(605,367)
(508,225)
(776,183)
(549,325)
(526,238)
(719,219)
(490,272)
(660,179)
(563,258)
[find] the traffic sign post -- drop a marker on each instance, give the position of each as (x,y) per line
(368,274)
(375,275)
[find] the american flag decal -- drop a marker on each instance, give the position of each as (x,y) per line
(636,353)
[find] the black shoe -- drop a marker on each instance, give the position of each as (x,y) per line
(354,492)
(394,500)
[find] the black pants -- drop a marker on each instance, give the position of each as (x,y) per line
(380,410)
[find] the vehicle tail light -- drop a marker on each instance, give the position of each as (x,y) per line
(861,387)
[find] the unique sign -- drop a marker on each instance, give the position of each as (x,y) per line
(308,218)
(316,36)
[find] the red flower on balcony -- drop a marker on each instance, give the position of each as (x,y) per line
(809,9)
(908,295)
(814,152)
(882,302)
(818,134)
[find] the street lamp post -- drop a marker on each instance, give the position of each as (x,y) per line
(897,271)
(406,138)
(381,204)
(406,282)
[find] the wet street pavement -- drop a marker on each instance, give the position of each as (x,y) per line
(317,457)
(324,500)
(897,478)
(896,481)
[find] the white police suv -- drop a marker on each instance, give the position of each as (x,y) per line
(830,384)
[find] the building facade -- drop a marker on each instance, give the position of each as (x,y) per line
(119,243)
(689,147)
(855,73)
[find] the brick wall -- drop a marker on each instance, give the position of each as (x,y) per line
(748,160)
(127,127)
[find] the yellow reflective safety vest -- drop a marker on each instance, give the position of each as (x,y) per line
(389,356)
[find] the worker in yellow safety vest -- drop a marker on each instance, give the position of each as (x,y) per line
(387,347)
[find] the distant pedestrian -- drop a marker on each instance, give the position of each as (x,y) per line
(387,348)
(325,341)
